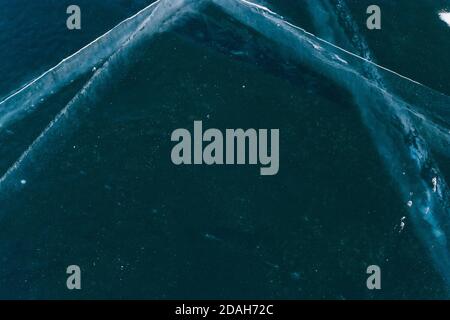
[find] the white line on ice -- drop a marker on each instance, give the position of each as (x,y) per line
(74,54)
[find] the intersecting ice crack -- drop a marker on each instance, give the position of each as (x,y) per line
(404,131)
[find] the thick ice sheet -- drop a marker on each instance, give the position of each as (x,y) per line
(407,120)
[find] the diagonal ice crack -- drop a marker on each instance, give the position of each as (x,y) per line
(81,62)
(159,19)
(396,134)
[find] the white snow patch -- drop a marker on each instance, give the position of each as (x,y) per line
(445,16)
